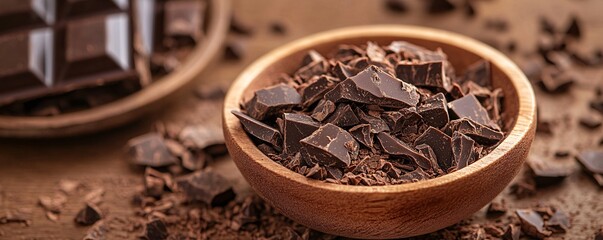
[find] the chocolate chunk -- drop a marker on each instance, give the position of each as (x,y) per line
(590,121)
(428,74)
(532,223)
(156,230)
(88,215)
(573,30)
(239,27)
(374,86)
(377,125)
(479,73)
(330,146)
(155,182)
(343,71)
(206,186)
(592,164)
(201,137)
(599,234)
(270,101)
(547,174)
(362,133)
(463,149)
(434,111)
(234,50)
(183,20)
(597,104)
(396,6)
(323,110)
(469,107)
(469,9)
(316,89)
(559,222)
(439,6)
(312,57)
(18,215)
(343,116)
(512,233)
(150,150)
(441,144)
(259,129)
(430,155)
(397,147)
(546,26)
(374,52)
(552,80)
(496,209)
(297,127)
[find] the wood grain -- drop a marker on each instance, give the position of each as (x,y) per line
(32,168)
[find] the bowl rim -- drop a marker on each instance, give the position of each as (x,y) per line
(196,61)
(523,124)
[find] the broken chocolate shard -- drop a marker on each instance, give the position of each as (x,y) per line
(469,107)
(430,155)
(270,101)
(439,6)
(206,186)
(343,71)
(591,161)
(426,74)
(532,223)
(547,174)
(553,80)
(496,208)
(441,144)
(363,133)
(374,52)
(201,137)
(573,30)
(150,150)
(434,111)
(375,86)
(330,146)
(311,57)
(343,116)
(323,109)
(479,73)
(469,9)
(463,148)
(559,222)
(316,89)
(397,147)
(512,233)
(156,230)
(377,125)
(295,128)
(590,121)
(234,49)
(88,215)
(597,105)
(259,129)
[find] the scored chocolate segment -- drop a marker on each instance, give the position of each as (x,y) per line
(31,61)
(97,45)
(259,129)
(397,147)
(270,101)
(16,13)
(434,111)
(469,107)
(182,19)
(375,86)
(74,8)
(295,128)
(330,146)
(441,145)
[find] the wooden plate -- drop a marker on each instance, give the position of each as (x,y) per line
(392,211)
(135,105)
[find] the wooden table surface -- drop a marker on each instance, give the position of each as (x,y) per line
(32,168)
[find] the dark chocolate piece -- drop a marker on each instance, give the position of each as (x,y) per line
(430,155)
(377,124)
(259,129)
(396,6)
(428,74)
(88,215)
(239,27)
(234,49)
(155,182)
(496,208)
(559,222)
(547,174)
(374,86)
(295,128)
(312,57)
(343,116)
(553,80)
(532,223)
(156,230)
(397,147)
(592,164)
(323,110)
(330,146)
(439,6)
(150,150)
(597,104)
(363,134)
(441,144)
(270,101)
(206,186)
(469,107)
(343,71)
(469,9)
(374,52)
(434,111)
(463,149)
(573,30)
(201,137)
(512,233)
(590,121)
(479,73)
(183,19)
(17,13)
(316,89)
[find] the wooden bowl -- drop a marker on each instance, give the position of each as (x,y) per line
(384,211)
(133,106)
